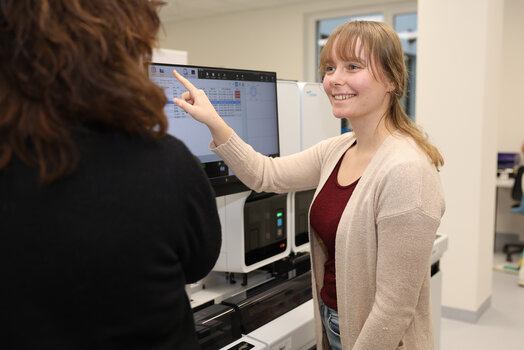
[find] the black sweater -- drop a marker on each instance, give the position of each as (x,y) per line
(100,259)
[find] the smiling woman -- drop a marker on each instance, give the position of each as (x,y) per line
(378,199)
(375,48)
(354,91)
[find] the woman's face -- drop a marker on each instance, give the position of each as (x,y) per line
(353,90)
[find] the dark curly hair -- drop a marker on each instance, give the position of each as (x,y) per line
(65,64)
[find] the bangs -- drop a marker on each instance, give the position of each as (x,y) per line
(349,49)
(353,44)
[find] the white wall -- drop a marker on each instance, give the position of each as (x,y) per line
(255,40)
(161,55)
(272,39)
(458,79)
(511,116)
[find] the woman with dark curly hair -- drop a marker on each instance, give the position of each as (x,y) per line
(103,218)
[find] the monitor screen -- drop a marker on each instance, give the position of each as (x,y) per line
(245,99)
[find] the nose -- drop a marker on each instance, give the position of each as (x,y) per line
(335,78)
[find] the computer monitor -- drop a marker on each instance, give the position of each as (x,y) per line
(245,99)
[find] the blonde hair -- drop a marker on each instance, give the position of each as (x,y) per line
(382,46)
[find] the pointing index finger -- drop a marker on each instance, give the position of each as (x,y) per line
(187,84)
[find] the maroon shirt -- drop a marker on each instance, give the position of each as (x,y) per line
(324,217)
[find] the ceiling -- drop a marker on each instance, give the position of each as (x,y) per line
(184,9)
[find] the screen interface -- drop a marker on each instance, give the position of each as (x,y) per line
(246,100)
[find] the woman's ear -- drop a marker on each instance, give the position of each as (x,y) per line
(390,86)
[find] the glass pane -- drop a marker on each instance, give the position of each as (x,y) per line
(406,27)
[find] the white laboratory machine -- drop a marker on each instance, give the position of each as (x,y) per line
(254,231)
(305,118)
(254,226)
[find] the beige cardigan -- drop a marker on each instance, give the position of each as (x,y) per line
(384,238)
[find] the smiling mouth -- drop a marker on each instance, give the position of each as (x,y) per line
(343,97)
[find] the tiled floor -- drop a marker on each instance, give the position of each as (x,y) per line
(500,327)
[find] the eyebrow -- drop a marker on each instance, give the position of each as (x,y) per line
(356,59)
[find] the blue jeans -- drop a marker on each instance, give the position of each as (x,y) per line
(330,322)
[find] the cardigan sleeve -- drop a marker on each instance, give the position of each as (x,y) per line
(297,172)
(409,207)
(402,265)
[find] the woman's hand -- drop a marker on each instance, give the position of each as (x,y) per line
(195,102)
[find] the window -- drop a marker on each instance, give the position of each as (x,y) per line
(406,27)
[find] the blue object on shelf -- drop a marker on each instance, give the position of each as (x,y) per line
(520,208)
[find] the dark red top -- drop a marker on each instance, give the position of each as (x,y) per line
(325,216)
